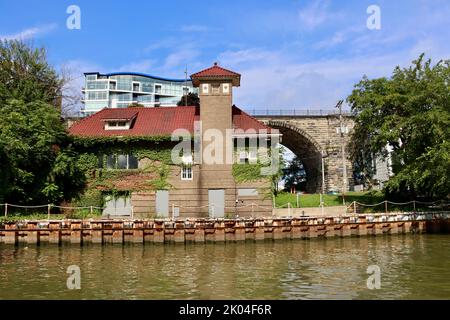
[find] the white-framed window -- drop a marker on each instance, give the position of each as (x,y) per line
(205,88)
(226,87)
(121,161)
(186,172)
(117,125)
(243,157)
(248,156)
(186,169)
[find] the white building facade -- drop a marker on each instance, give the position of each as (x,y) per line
(121,89)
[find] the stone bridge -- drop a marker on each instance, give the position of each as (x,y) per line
(313,135)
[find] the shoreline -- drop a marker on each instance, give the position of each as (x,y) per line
(201,230)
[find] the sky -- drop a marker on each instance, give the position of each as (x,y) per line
(291,54)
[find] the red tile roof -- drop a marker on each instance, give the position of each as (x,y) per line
(121,114)
(216,72)
(154,121)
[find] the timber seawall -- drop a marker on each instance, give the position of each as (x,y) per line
(219,230)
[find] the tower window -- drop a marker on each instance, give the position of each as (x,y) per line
(226,88)
(186,172)
(205,88)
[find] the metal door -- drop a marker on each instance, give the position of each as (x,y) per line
(162,203)
(216,200)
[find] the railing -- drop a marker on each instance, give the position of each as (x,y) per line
(294,112)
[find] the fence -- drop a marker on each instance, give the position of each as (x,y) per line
(355,207)
(8,208)
(261,112)
(389,206)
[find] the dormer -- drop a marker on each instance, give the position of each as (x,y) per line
(122,122)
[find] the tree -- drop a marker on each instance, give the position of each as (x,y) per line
(410,112)
(136,105)
(37,163)
(294,175)
(26,75)
(192,100)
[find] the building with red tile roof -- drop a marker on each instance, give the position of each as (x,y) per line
(204,183)
(154,121)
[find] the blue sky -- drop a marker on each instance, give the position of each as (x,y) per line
(303,54)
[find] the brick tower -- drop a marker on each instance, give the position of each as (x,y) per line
(216,100)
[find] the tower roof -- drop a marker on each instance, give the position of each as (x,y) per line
(216,73)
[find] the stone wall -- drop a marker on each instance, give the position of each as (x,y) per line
(308,136)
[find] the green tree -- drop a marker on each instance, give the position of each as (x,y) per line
(294,175)
(37,163)
(192,100)
(26,75)
(410,112)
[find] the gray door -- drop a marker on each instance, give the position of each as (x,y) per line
(216,199)
(117,206)
(162,203)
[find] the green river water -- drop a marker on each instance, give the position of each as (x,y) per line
(412,267)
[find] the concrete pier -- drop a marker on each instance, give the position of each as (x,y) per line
(219,230)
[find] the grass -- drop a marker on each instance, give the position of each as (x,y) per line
(368,198)
(20,216)
(313,200)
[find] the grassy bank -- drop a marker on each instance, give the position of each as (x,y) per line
(18,216)
(313,200)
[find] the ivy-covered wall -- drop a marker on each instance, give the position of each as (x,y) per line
(100,181)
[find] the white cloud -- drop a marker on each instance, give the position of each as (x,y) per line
(29,33)
(180,58)
(315,14)
(194,28)
(279,80)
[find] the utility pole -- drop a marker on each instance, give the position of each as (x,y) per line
(185,86)
(323,172)
(344,165)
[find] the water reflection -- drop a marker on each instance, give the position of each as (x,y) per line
(412,267)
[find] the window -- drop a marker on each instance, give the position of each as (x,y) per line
(117,125)
(97,95)
(186,172)
(248,157)
(205,88)
(243,157)
(122,161)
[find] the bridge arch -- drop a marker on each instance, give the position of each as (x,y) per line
(306,148)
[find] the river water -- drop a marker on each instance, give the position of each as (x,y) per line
(412,267)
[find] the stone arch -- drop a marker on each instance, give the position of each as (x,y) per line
(304,147)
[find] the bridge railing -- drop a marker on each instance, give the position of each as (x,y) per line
(293,112)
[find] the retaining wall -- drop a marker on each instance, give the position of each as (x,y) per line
(218,230)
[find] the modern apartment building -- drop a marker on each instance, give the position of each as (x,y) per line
(120,89)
